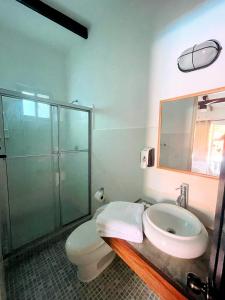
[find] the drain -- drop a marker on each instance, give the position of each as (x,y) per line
(171,230)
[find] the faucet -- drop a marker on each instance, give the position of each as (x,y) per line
(182,199)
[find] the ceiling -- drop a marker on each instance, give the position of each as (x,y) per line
(17,17)
(90,13)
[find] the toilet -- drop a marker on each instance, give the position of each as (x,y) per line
(87,250)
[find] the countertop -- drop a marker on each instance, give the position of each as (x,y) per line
(172,269)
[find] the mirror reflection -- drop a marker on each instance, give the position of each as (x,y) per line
(192,133)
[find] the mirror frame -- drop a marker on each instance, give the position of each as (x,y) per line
(201,93)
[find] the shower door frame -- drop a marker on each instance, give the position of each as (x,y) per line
(4,193)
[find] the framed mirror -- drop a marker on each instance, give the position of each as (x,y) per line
(191,133)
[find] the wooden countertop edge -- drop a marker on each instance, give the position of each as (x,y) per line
(142,267)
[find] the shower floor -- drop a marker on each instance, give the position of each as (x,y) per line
(47,274)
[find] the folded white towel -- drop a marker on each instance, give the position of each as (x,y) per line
(121,220)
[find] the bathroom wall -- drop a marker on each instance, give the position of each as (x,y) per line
(110,70)
(124,69)
(167,81)
(29,64)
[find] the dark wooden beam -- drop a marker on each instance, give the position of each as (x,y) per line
(56,16)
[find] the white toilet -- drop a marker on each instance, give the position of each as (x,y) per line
(86,249)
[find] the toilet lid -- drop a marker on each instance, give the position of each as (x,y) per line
(84,238)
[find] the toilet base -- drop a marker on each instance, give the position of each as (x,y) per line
(86,273)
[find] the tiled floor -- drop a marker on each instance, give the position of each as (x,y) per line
(48,274)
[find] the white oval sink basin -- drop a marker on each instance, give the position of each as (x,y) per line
(175,230)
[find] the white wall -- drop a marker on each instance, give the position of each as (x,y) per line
(167,81)
(110,70)
(218,113)
(29,64)
(124,71)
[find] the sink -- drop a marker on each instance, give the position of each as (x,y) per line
(175,230)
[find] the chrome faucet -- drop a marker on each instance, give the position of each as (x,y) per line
(182,199)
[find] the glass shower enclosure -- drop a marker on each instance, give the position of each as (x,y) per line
(44,166)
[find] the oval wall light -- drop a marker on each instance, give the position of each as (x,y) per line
(199,56)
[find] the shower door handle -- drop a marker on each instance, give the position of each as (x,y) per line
(3,155)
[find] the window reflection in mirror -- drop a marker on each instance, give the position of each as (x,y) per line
(192,133)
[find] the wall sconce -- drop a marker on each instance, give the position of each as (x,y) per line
(199,56)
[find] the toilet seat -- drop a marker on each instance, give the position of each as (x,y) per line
(84,239)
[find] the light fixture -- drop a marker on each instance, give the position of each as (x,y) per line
(199,56)
(27,93)
(43,96)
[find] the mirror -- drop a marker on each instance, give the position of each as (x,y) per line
(191,133)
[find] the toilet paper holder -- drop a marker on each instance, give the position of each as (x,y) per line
(100,195)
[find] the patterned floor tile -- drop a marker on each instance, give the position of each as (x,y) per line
(48,275)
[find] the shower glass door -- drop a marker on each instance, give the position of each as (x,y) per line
(74,164)
(31,145)
(44,168)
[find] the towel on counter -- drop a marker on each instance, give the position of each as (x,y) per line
(121,220)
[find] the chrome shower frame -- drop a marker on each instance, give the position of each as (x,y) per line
(5,229)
